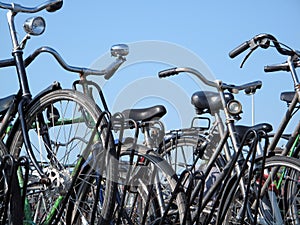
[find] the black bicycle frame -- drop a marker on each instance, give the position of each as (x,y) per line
(25,98)
(286,119)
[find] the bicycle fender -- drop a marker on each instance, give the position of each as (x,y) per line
(54,86)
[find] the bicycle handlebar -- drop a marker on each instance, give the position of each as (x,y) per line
(248,87)
(108,72)
(238,50)
(175,71)
(274,68)
(50,6)
(168,73)
(113,67)
(258,41)
(280,67)
(60,60)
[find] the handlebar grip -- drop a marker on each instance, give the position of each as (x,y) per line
(110,73)
(54,7)
(112,68)
(238,50)
(252,87)
(168,72)
(274,68)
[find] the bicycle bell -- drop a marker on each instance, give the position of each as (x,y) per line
(119,50)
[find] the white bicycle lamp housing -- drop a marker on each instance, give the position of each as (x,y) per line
(35,25)
(234,107)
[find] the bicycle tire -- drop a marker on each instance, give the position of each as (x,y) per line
(11,211)
(269,211)
(81,208)
(180,151)
(71,145)
(151,182)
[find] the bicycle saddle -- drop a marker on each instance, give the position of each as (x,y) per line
(287,96)
(208,102)
(5,103)
(145,114)
(242,130)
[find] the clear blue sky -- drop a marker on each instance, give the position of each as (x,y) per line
(83,31)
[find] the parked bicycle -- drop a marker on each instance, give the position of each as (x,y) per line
(63,133)
(237,193)
(143,173)
(292,146)
(291,98)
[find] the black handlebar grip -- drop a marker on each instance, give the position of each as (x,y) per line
(252,87)
(55,7)
(275,68)
(238,50)
(167,73)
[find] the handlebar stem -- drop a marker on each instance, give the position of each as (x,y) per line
(293,71)
(18,55)
(12,29)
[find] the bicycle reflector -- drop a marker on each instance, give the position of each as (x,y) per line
(234,107)
(35,25)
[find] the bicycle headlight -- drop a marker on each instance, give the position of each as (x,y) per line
(234,107)
(35,25)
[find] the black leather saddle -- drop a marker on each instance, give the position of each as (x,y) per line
(287,96)
(242,130)
(145,114)
(5,103)
(208,101)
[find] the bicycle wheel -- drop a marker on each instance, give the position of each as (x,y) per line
(145,188)
(61,128)
(7,181)
(280,202)
(4,188)
(181,151)
(186,153)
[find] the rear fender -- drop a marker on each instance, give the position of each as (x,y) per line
(54,86)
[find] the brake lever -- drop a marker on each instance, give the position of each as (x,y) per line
(246,57)
(253,45)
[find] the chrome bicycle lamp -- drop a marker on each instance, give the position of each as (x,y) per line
(35,25)
(234,107)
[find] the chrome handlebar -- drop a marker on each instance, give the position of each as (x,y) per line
(120,51)
(107,73)
(46,5)
(248,87)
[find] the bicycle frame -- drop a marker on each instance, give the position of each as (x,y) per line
(286,119)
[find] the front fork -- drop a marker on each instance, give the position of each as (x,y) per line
(26,138)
